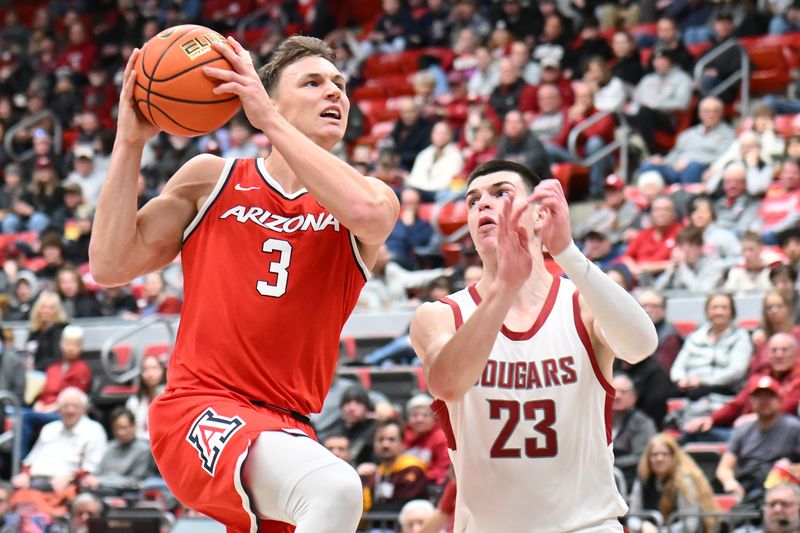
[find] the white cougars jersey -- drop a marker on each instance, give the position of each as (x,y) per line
(531,441)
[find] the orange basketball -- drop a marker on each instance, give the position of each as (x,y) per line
(171,90)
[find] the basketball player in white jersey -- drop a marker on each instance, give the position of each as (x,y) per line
(520,364)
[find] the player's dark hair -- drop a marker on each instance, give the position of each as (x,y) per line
(291,51)
(529,177)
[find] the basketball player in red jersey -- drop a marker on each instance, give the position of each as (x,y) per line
(275,253)
(521,362)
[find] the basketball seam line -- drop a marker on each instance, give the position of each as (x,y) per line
(165,97)
(155,67)
(172,119)
(169,78)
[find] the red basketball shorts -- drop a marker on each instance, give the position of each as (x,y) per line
(200,443)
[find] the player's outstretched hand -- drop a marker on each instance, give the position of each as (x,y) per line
(552,223)
(131,126)
(514,261)
(242,81)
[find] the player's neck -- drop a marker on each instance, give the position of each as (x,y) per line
(281,172)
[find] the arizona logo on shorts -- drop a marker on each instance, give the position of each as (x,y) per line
(209,434)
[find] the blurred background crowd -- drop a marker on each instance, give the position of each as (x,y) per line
(673,126)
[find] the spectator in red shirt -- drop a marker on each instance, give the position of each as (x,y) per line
(649,252)
(783,369)
(80,53)
(781,209)
(70,371)
(425,440)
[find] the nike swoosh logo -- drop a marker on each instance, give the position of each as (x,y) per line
(238,187)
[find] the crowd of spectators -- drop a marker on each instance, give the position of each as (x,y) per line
(710,208)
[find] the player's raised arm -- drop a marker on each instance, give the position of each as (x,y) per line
(366,206)
(126,244)
(624,327)
(454,359)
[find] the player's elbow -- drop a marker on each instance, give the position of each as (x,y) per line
(104,276)
(446,389)
(372,220)
(104,272)
(641,344)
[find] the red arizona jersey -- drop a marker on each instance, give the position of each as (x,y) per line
(269,280)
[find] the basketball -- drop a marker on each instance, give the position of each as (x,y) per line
(171,90)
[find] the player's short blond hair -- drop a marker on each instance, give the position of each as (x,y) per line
(291,51)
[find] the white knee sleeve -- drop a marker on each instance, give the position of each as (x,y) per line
(296,480)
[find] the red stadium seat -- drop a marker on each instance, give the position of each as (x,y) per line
(426,211)
(420,373)
(349,346)
(451,217)
(574,179)
(451,253)
(122,356)
(770,70)
(162,350)
(445,55)
(784,125)
(685,327)
(749,324)
(367,92)
(726,502)
(381,130)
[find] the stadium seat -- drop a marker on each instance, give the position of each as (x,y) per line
(707,456)
(574,179)
(784,125)
(770,72)
(348,347)
(749,324)
(162,350)
(426,211)
(122,356)
(445,55)
(452,216)
(422,385)
(381,130)
(726,502)
(685,327)
(378,65)
(367,92)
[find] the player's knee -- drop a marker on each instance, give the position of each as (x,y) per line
(343,491)
(347,489)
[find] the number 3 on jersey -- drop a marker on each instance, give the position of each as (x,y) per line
(543,412)
(279,268)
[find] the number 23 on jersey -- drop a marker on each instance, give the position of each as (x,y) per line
(542,413)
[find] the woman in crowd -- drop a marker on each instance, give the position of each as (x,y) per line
(78,302)
(718,243)
(776,317)
(714,359)
(670,482)
(151,384)
(48,320)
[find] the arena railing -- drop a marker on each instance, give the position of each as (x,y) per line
(741,76)
(14,434)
